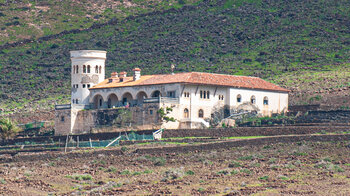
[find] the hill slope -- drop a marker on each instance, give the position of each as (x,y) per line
(270,39)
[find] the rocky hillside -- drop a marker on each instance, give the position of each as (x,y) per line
(281,41)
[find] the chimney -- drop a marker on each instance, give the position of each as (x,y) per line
(122,75)
(114,77)
(137,73)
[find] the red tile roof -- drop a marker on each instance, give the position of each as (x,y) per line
(195,78)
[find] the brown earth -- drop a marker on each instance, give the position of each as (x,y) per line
(299,168)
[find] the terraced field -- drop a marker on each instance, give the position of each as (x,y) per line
(297,168)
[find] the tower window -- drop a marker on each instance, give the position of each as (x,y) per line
(100,69)
(73,68)
(76,101)
(77,69)
(96,69)
(88,68)
(83,85)
(84,68)
(62,118)
(88,85)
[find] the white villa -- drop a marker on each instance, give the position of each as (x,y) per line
(193,96)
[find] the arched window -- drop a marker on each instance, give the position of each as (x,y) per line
(76,101)
(252,99)
(96,69)
(239,98)
(208,94)
(100,69)
(88,68)
(266,101)
(200,113)
(201,94)
(186,113)
(84,68)
(77,69)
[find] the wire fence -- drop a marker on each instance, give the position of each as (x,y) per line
(74,141)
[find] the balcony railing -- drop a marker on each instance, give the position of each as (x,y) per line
(161,100)
(63,107)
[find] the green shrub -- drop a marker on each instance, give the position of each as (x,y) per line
(190,172)
(2,181)
(234,164)
(245,170)
(80,177)
(125,172)
(159,161)
(264,178)
(112,169)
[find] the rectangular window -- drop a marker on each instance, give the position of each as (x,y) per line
(201,94)
(171,94)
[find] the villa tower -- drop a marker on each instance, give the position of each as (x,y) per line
(88,69)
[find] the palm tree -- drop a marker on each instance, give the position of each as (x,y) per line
(8,129)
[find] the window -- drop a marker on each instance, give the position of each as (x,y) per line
(100,102)
(88,85)
(186,113)
(100,69)
(200,113)
(221,97)
(76,101)
(84,69)
(239,98)
(186,94)
(266,101)
(171,94)
(73,68)
(73,100)
(62,118)
(252,100)
(83,85)
(88,68)
(204,94)
(96,69)
(150,112)
(77,69)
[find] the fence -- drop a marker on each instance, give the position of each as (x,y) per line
(75,141)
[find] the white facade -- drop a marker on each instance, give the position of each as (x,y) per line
(193,101)
(190,105)
(88,69)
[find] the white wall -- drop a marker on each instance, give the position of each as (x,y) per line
(277,101)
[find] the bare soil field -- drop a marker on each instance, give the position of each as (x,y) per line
(299,168)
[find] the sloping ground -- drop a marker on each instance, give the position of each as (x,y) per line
(30,19)
(263,166)
(263,38)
